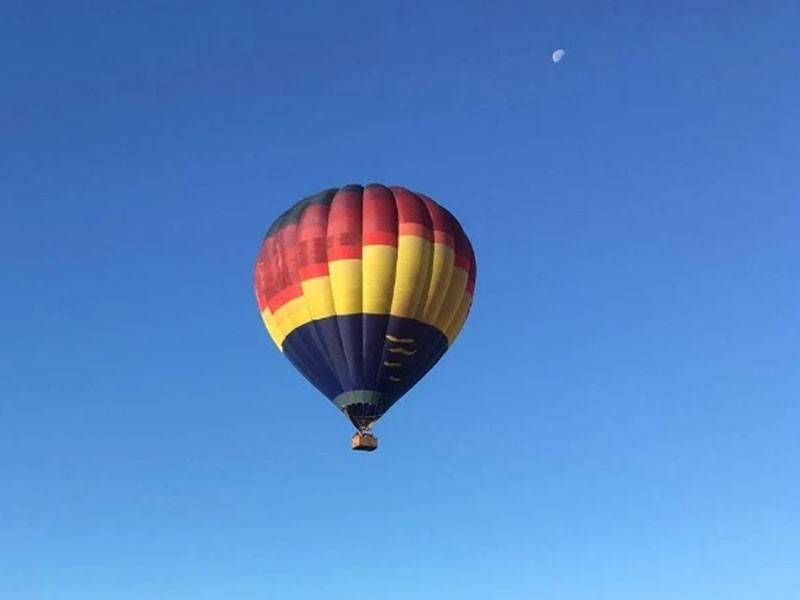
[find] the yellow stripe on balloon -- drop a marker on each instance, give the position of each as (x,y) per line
(290,316)
(453,298)
(345,277)
(319,297)
(454,328)
(412,276)
(272,327)
(442,270)
(378,276)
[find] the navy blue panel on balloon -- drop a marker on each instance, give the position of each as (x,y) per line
(364,363)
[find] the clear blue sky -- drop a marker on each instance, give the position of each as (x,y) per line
(619,418)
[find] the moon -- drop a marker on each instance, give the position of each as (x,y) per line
(558,55)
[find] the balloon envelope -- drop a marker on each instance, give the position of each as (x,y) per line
(364,289)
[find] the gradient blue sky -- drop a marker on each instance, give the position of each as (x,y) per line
(619,418)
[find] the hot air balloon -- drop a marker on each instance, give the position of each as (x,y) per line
(364,289)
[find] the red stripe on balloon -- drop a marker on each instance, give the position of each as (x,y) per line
(379,216)
(286,295)
(343,252)
(312,271)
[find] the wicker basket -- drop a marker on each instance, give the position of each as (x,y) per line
(364,441)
